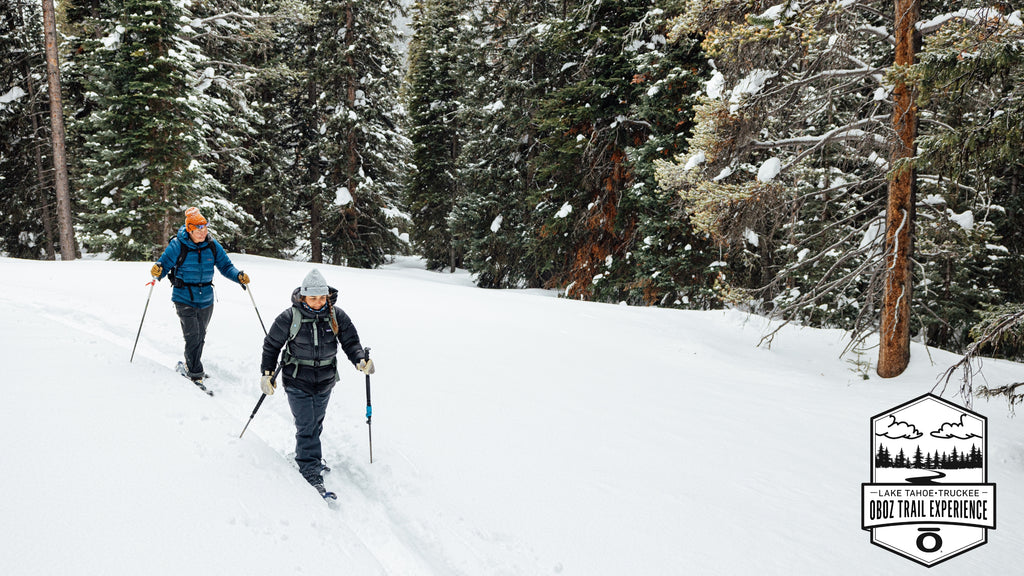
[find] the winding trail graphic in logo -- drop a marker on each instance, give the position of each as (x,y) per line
(928,498)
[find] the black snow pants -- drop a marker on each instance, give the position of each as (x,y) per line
(193,327)
(309,411)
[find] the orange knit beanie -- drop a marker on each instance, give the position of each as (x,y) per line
(193,219)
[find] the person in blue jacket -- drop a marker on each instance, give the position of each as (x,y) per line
(188,261)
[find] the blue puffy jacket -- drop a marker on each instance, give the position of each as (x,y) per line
(195,274)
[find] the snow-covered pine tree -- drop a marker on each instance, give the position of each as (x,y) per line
(972,69)
(436,137)
(357,68)
(672,265)
(585,218)
(341,127)
(971,75)
(291,108)
(781,166)
(266,180)
(27,226)
(506,73)
(240,71)
(142,130)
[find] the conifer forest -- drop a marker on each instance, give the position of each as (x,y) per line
(789,158)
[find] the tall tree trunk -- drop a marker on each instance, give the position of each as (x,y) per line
(894,345)
(60,166)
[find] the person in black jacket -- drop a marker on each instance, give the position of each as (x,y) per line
(310,333)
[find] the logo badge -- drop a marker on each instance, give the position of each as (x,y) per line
(928,499)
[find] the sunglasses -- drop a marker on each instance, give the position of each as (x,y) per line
(200,227)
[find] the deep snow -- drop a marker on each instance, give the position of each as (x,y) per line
(514,434)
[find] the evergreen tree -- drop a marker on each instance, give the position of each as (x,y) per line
(781,168)
(669,264)
(507,73)
(357,70)
(436,137)
(142,133)
(343,131)
(585,218)
(243,72)
(882,458)
(27,227)
(971,72)
(976,460)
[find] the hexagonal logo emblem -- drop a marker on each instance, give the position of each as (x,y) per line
(929,499)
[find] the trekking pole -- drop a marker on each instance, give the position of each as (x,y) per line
(260,401)
(246,288)
(272,378)
(152,284)
(369,409)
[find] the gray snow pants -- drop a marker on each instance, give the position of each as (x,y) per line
(309,411)
(193,327)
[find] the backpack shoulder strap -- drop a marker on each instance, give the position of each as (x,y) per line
(181,255)
(296,324)
(286,356)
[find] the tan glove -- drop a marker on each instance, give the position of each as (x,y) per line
(156,270)
(267,384)
(243,278)
(365,366)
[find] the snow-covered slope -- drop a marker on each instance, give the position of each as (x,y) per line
(514,434)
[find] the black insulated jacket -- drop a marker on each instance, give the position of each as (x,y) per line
(315,346)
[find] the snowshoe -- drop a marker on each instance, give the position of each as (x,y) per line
(183,370)
(324,493)
(199,384)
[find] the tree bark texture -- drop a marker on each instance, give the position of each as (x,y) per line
(894,337)
(60,166)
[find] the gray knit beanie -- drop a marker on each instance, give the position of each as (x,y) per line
(314,284)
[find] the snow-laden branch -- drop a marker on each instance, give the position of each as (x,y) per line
(877,76)
(974,16)
(932,25)
(237,65)
(864,71)
(851,131)
(202,22)
(879,31)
